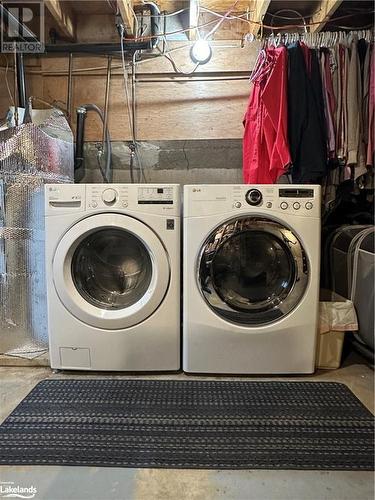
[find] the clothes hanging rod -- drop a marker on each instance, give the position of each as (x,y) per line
(322,36)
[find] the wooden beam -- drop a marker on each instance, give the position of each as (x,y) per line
(193,19)
(168,5)
(258,10)
(223,6)
(62,14)
(126,7)
(327,9)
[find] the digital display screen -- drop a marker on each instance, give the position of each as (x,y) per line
(153,195)
(155,202)
(296,193)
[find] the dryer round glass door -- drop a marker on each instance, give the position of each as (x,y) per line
(111,271)
(253,270)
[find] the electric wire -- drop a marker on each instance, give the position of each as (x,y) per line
(173,63)
(52,104)
(241,17)
(214,29)
(260,24)
(169,14)
(12,100)
(287,18)
(217,26)
(353,28)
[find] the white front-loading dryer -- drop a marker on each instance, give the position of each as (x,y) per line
(113,276)
(251,278)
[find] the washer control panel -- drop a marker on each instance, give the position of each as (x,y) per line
(106,196)
(157,198)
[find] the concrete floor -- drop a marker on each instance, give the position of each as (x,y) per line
(80,483)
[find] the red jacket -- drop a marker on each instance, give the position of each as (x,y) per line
(265,144)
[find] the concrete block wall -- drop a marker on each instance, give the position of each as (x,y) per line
(183,162)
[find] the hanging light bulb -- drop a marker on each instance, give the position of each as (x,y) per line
(201,52)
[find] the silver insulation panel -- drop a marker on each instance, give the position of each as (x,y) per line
(31,155)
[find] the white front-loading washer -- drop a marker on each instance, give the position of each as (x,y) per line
(113,276)
(251,278)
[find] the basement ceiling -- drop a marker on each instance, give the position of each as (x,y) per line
(298,9)
(72,20)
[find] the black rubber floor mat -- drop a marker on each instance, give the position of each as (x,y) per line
(190,424)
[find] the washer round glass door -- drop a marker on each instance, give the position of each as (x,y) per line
(253,270)
(111,271)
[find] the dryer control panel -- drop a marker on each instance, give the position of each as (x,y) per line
(299,200)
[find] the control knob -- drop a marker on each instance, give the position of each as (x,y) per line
(109,196)
(253,197)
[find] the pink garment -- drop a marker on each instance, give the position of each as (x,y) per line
(265,142)
(371,111)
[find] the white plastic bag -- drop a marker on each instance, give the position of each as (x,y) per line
(336,316)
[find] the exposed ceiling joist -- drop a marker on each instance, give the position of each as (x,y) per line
(327,9)
(225,5)
(125,7)
(258,10)
(221,6)
(193,18)
(63,16)
(168,5)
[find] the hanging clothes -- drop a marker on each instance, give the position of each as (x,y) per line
(265,144)
(317,88)
(354,110)
(306,129)
(329,101)
(364,84)
(335,83)
(342,112)
(315,119)
(371,112)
